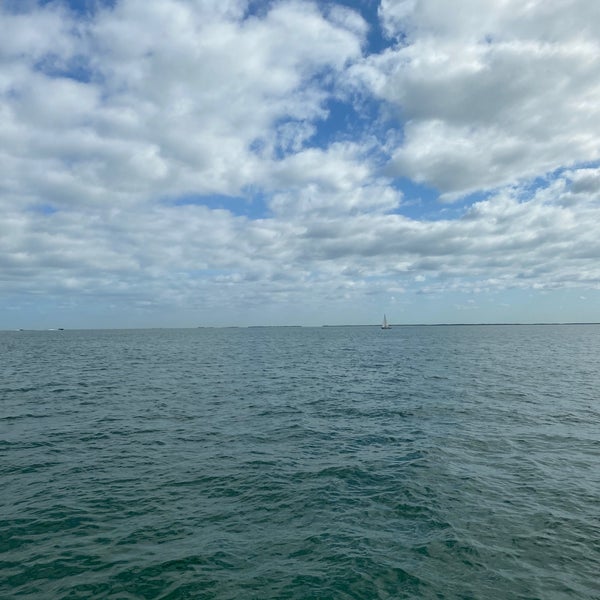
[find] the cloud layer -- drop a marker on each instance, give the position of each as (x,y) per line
(489,97)
(211,159)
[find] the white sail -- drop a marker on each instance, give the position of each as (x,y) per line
(385,323)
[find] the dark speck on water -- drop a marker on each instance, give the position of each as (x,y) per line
(296,463)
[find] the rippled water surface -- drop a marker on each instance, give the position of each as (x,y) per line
(419,462)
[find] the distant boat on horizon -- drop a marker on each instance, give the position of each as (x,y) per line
(385,324)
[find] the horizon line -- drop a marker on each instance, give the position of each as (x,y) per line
(441,324)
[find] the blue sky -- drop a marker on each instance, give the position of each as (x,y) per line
(184,163)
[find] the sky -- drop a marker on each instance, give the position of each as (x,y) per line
(183,163)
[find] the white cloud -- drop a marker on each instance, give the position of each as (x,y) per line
(490,97)
(195,258)
(35,35)
(210,87)
(179,93)
(190,99)
(333,182)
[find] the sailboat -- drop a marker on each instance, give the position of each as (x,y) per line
(385,325)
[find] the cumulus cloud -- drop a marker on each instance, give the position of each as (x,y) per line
(176,96)
(504,242)
(182,155)
(490,97)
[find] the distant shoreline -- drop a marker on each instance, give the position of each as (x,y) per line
(515,324)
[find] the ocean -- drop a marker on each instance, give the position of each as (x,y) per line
(301,463)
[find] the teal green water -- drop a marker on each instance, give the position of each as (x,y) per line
(419,462)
